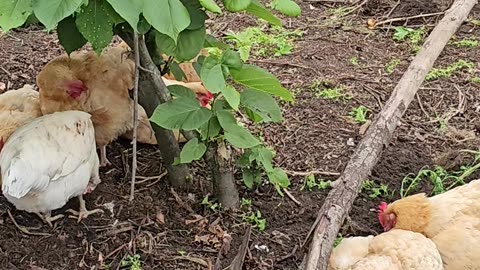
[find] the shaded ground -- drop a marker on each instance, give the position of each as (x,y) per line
(316,135)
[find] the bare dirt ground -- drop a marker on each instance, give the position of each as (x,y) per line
(316,135)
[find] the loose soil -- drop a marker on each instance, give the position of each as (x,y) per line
(177,232)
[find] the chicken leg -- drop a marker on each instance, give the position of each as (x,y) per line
(84,213)
(47,218)
(103,157)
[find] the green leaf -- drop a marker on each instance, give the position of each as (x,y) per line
(211,41)
(262,104)
(95,25)
(255,117)
(258,10)
(251,177)
(260,79)
(232,59)
(177,71)
(279,179)
(69,36)
(287,7)
(14,13)
(143,26)
(192,150)
(210,129)
(181,113)
(50,12)
(197,14)
(236,135)
(129,9)
(181,91)
(114,16)
(188,45)
(210,5)
(232,96)
(169,17)
(236,5)
(265,156)
(213,78)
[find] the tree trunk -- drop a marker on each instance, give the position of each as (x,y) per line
(340,199)
(153,92)
(221,166)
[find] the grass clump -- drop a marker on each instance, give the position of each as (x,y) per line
(437,73)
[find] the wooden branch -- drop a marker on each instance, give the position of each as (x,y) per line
(135,116)
(340,199)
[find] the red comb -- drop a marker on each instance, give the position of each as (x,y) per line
(382,207)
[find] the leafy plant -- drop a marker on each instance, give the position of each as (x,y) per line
(177,29)
(390,67)
(210,204)
(277,43)
(354,61)
(437,73)
(413,36)
(310,183)
(465,43)
(256,219)
(325,89)
(441,179)
(246,203)
(338,240)
(133,262)
(375,190)
(475,80)
(359,114)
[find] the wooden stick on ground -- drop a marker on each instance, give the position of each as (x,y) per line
(135,116)
(340,199)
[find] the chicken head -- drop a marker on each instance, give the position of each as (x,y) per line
(205,98)
(387,221)
(75,88)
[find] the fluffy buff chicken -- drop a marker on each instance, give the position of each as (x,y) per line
(97,85)
(393,250)
(17,107)
(145,133)
(48,161)
(451,220)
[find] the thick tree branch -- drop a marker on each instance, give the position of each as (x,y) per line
(340,199)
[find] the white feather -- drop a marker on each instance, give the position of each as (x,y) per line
(48,161)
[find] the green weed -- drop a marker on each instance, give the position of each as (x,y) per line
(132,261)
(254,40)
(414,37)
(390,67)
(210,204)
(354,61)
(374,191)
(475,80)
(338,240)
(465,43)
(437,73)
(359,114)
(310,183)
(441,179)
(325,89)
(256,219)
(246,203)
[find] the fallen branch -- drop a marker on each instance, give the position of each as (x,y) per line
(408,18)
(135,115)
(295,173)
(340,199)
(237,263)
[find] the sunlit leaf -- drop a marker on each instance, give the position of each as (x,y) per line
(50,12)
(129,9)
(95,25)
(181,113)
(14,13)
(169,17)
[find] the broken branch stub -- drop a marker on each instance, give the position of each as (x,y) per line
(340,199)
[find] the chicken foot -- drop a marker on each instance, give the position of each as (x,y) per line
(103,157)
(47,218)
(84,213)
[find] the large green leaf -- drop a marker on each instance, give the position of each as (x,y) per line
(129,9)
(212,77)
(95,24)
(192,150)
(232,59)
(257,9)
(264,156)
(250,177)
(232,96)
(188,45)
(210,129)
(287,7)
(260,79)
(13,13)
(181,91)
(181,113)
(236,135)
(210,5)
(197,14)
(279,179)
(236,5)
(50,12)
(69,36)
(262,104)
(169,17)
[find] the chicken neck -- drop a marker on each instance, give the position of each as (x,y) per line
(83,212)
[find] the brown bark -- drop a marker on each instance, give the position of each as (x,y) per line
(340,199)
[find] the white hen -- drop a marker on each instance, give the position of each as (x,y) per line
(48,161)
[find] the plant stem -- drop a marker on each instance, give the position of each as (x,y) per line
(135,115)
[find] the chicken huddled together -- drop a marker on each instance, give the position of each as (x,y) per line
(83,104)
(425,233)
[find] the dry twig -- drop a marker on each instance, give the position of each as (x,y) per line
(408,18)
(135,115)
